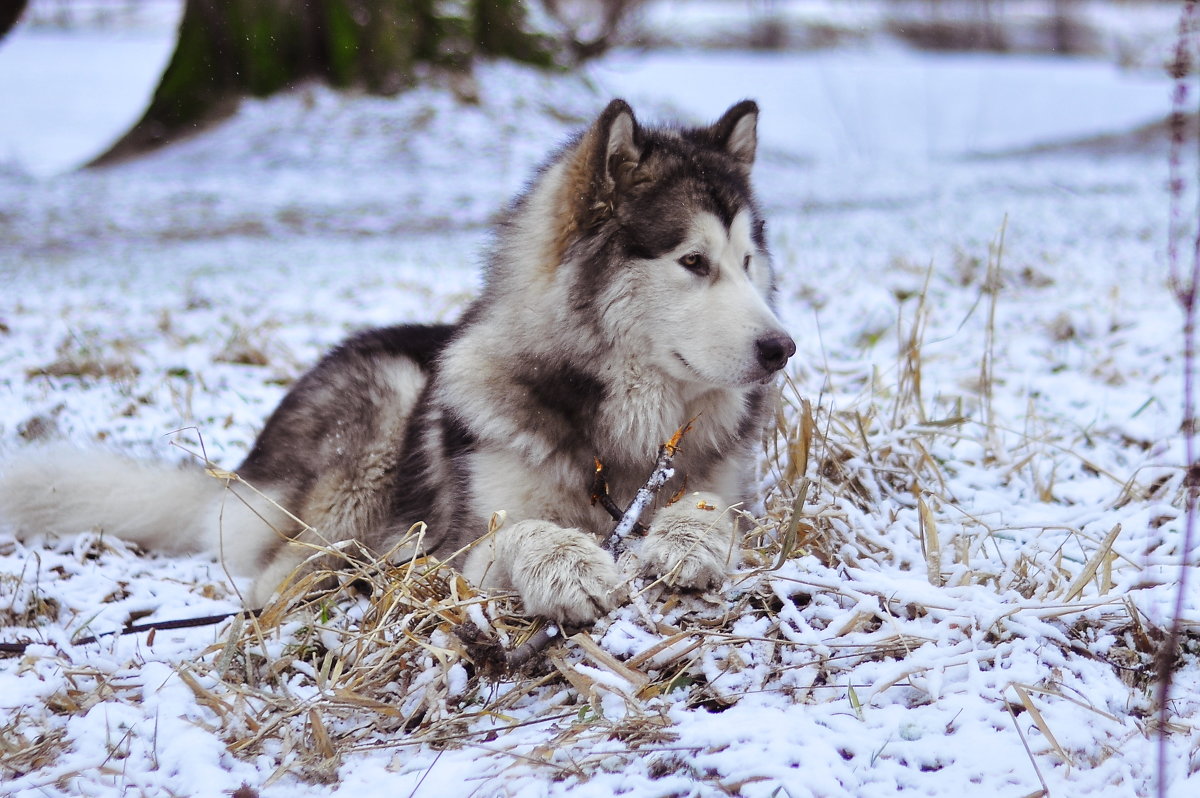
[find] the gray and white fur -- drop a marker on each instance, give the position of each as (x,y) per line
(629,290)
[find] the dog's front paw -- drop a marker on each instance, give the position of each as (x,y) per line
(563,575)
(689,543)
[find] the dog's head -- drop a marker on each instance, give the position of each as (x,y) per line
(668,245)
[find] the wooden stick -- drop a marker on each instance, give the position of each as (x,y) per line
(134,628)
(600,495)
(662,472)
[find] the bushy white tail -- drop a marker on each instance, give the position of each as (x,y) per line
(62,490)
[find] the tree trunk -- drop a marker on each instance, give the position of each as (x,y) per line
(10,12)
(228,49)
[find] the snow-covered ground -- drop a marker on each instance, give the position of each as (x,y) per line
(960,615)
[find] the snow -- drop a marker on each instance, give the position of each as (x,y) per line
(59,110)
(890,103)
(842,673)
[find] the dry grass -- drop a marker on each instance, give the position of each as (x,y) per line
(27,605)
(23,751)
(84,355)
(258,346)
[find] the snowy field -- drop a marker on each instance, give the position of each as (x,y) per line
(991,527)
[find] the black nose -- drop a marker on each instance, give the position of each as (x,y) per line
(774,350)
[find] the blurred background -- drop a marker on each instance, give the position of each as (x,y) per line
(369,145)
(947,76)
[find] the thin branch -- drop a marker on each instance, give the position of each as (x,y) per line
(135,628)
(662,472)
(606,19)
(1185,290)
(601,496)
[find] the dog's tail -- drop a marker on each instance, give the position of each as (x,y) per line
(61,490)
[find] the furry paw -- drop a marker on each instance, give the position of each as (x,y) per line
(562,574)
(689,543)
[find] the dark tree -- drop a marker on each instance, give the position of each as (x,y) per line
(10,12)
(228,49)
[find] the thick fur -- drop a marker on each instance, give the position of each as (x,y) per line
(629,291)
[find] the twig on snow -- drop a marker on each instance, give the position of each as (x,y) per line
(135,628)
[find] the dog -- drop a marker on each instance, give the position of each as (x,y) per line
(629,290)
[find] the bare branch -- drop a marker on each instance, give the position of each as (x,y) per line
(600,495)
(135,628)
(591,28)
(1184,287)
(662,472)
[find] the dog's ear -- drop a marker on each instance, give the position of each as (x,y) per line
(601,169)
(736,131)
(616,146)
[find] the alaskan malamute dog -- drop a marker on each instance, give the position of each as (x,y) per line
(629,291)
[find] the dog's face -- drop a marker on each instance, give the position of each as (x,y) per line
(683,266)
(707,298)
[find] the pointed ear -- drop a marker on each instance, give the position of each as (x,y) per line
(737,131)
(616,142)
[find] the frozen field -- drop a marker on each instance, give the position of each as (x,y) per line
(992,529)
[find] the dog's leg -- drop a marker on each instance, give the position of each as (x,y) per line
(560,573)
(690,542)
(285,560)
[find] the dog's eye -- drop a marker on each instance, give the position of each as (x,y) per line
(746,263)
(695,262)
